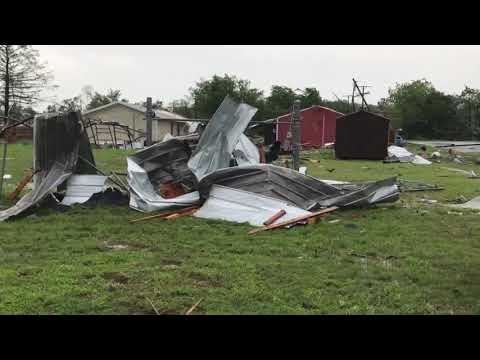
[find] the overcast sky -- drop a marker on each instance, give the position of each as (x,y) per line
(166,72)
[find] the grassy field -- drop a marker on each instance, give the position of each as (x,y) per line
(402,258)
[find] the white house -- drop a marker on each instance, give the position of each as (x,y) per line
(133,116)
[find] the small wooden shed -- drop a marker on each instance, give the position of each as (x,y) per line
(317,127)
(362,135)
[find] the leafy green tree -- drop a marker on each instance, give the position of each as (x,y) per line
(341,106)
(421,110)
(468,106)
(182,107)
(279,102)
(310,97)
(96,99)
(207,95)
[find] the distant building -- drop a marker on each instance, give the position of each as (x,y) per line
(133,116)
(23,132)
(318,125)
(363,135)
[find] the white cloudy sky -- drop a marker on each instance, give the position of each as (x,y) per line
(166,72)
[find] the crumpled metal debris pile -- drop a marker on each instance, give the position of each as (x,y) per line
(217,174)
(222,176)
(63,162)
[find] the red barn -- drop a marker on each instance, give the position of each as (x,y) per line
(317,123)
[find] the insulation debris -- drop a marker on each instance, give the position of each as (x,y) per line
(399,154)
(472,204)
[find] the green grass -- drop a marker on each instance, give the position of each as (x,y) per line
(401,258)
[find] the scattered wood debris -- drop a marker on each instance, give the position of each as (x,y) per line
(115,246)
(181,214)
(21,185)
(293,221)
(165,214)
(274,218)
(153,306)
(193,307)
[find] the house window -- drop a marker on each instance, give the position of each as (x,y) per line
(178,129)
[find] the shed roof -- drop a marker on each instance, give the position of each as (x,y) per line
(306,109)
(364,112)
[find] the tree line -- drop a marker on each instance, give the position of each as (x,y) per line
(417,106)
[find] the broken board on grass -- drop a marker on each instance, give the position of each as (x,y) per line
(284,224)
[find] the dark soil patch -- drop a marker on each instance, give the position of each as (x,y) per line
(166,262)
(201,280)
(116,277)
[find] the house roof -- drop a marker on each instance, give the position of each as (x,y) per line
(163,114)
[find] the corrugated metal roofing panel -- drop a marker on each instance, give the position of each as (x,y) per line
(81,187)
(240,206)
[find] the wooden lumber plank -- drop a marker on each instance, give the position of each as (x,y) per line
(274,218)
(293,221)
(182,214)
(26,179)
(164,214)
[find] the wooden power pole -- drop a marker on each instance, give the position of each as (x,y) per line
(148,117)
(296,135)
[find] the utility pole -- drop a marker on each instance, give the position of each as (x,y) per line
(362,93)
(296,135)
(353,97)
(148,117)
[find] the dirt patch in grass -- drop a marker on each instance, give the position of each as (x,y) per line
(201,280)
(115,277)
(168,262)
(28,272)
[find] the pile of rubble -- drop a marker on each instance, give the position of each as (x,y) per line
(217,174)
